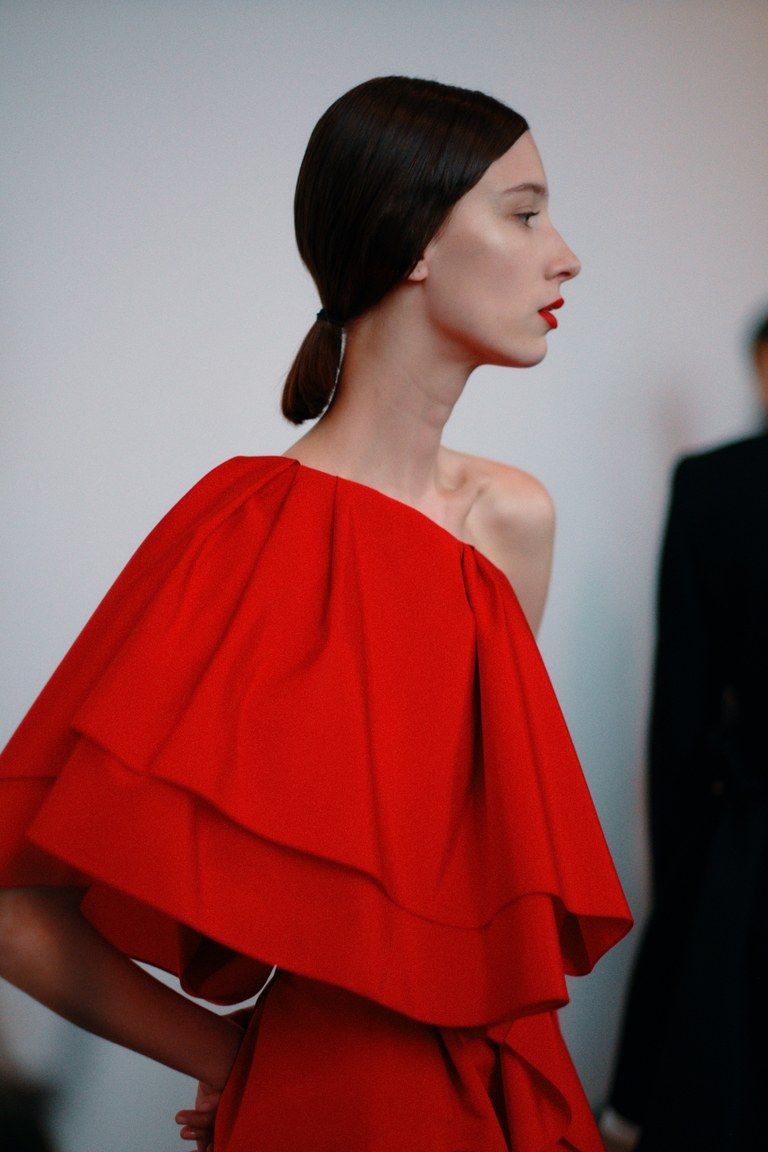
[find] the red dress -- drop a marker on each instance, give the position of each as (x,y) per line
(309,727)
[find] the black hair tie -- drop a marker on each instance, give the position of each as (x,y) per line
(323,315)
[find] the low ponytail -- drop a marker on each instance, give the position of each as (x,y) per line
(311,378)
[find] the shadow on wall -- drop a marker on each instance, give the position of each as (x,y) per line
(26,1106)
(24,1110)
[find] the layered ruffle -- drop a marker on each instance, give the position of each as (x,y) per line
(309,727)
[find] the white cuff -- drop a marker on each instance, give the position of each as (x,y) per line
(611,1123)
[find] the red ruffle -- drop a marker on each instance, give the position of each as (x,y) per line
(308,727)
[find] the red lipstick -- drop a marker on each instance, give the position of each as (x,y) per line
(547,312)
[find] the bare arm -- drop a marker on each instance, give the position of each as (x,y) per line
(515,528)
(50,951)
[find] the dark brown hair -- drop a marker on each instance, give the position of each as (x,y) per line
(383,168)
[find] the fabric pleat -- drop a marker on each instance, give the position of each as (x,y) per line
(308,727)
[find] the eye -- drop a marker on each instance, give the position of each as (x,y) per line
(525,217)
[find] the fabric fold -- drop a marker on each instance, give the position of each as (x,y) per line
(414,1085)
(306,715)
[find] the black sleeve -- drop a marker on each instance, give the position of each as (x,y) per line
(687,686)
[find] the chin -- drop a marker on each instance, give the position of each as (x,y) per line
(524,353)
(524,357)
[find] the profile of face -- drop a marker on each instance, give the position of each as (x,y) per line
(495,264)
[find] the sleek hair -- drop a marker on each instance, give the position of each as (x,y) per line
(383,168)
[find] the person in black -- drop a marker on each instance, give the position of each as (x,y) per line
(692,1061)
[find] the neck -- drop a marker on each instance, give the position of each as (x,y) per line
(395,394)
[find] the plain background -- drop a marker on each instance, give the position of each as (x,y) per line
(152,301)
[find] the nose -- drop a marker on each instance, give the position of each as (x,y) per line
(565,262)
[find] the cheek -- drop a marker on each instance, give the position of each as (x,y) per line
(477,276)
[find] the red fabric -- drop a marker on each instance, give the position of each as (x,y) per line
(309,727)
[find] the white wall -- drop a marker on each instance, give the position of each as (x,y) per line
(152,300)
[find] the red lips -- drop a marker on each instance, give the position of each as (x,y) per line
(547,312)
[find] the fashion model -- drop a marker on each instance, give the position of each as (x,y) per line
(306,746)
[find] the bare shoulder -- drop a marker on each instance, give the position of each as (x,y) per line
(511,521)
(509,502)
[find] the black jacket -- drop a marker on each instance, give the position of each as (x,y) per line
(691,1060)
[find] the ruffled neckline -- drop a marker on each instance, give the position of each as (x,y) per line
(376,493)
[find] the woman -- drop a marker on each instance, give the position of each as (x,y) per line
(308,730)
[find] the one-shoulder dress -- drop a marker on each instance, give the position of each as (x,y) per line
(308,727)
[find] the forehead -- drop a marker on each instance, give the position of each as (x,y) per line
(520,164)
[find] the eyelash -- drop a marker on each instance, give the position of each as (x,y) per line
(525,217)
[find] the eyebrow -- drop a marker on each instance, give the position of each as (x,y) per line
(537,189)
